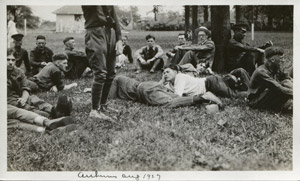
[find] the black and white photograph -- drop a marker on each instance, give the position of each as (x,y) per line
(149,91)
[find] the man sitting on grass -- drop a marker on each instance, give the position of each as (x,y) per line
(199,54)
(18,93)
(181,41)
(126,56)
(269,87)
(149,57)
(41,55)
(50,77)
(77,61)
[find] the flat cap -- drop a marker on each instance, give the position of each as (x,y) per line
(17,36)
(67,39)
(242,27)
(41,37)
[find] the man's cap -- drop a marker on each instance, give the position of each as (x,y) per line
(271,51)
(67,39)
(17,37)
(202,28)
(242,27)
(41,37)
(59,56)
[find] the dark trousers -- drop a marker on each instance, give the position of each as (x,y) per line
(100,50)
(155,65)
(77,65)
(270,100)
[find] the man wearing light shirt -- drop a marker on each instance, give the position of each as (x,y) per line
(150,56)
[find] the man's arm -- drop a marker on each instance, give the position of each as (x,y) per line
(271,83)
(159,53)
(33,59)
(242,47)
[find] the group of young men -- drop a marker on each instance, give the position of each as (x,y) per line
(268,88)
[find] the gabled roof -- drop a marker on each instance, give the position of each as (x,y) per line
(69,10)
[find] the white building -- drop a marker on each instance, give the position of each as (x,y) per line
(69,19)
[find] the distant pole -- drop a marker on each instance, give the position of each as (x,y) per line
(25,27)
(252,24)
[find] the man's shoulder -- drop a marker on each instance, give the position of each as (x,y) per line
(17,71)
(48,49)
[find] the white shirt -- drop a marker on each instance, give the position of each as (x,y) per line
(186,85)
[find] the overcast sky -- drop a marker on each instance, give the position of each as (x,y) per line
(45,12)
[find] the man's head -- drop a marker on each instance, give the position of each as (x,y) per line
(60,60)
(150,40)
(239,31)
(170,72)
(274,58)
(202,33)
(69,42)
(17,39)
(41,42)
(125,39)
(181,38)
(11,60)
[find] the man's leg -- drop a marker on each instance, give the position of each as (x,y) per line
(189,57)
(178,56)
(244,77)
(96,50)
(248,62)
(158,64)
(81,64)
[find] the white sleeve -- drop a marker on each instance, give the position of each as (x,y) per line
(179,85)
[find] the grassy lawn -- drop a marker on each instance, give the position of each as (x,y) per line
(155,138)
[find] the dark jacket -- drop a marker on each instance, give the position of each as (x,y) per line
(37,56)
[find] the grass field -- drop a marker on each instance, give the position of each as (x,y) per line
(155,138)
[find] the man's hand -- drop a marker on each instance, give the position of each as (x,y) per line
(43,64)
(54,89)
(178,47)
(21,102)
(119,47)
(260,50)
(143,61)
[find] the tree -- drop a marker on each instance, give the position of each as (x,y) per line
(194,22)
(24,12)
(205,9)
(125,15)
(221,34)
(187,18)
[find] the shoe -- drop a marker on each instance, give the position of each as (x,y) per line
(152,71)
(65,129)
(59,122)
(106,108)
(212,98)
(62,108)
(99,115)
(138,71)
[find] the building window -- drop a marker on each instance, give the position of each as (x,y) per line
(77,17)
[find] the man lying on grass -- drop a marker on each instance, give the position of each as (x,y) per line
(155,94)
(21,118)
(231,85)
(269,87)
(18,93)
(50,77)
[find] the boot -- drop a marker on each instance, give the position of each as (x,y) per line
(59,122)
(97,89)
(62,108)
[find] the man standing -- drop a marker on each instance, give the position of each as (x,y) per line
(241,55)
(102,39)
(268,88)
(150,56)
(20,54)
(41,55)
(77,61)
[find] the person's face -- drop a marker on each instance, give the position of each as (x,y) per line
(181,39)
(18,43)
(151,42)
(41,43)
(71,43)
(202,37)
(10,62)
(124,40)
(278,61)
(169,74)
(240,34)
(62,64)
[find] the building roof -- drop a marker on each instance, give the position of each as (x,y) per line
(68,10)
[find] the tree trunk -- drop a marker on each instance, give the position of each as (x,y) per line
(220,27)
(239,14)
(187,18)
(205,9)
(194,22)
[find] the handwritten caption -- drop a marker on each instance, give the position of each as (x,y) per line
(135,177)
